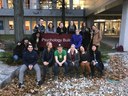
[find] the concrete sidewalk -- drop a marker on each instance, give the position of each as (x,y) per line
(110,40)
(6,74)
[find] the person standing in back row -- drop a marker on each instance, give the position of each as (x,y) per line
(40,27)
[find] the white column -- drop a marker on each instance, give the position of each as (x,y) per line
(4,3)
(71,4)
(123,40)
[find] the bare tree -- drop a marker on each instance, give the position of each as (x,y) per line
(63,6)
(18,20)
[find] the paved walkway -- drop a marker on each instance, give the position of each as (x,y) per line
(6,73)
(110,40)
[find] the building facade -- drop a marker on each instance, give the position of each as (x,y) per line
(49,10)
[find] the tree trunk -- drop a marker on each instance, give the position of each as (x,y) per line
(18,20)
(63,12)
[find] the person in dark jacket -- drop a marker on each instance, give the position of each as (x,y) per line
(30,58)
(17,51)
(71,28)
(35,40)
(61,29)
(40,27)
(85,61)
(73,60)
(96,61)
(76,39)
(47,58)
(86,35)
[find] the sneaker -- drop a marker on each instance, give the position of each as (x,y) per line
(39,83)
(21,85)
(56,78)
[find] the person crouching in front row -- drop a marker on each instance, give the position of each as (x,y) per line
(96,61)
(30,58)
(60,60)
(47,59)
(73,60)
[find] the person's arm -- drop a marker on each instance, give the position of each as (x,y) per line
(51,59)
(43,55)
(79,43)
(35,58)
(65,57)
(56,57)
(77,58)
(42,29)
(68,58)
(99,36)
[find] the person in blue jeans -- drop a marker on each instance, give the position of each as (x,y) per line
(60,60)
(96,61)
(30,58)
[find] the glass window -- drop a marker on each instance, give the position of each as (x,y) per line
(45,4)
(11,25)
(76,23)
(27,25)
(10,4)
(59,4)
(58,23)
(78,4)
(0,4)
(66,24)
(27,4)
(1,25)
(33,24)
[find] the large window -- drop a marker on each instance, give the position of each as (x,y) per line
(79,4)
(27,25)
(27,4)
(10,4)
(0,4)
(11,25)
(1,25)
(45,4)
(33,24)
(59,4)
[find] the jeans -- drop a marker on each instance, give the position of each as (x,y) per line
(24,67)
(75,66)
(98,66)
(56,68)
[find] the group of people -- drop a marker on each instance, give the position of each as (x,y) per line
(82,53)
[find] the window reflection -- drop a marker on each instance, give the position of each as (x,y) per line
(10,4)
(78,4)
(27,25)
(45,4)
(59,4)
(0,4)
(11,25)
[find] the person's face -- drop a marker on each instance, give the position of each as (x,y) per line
(50,25)
(82,49)
(60,49)
(71,22)
(84,24)
(93,48)
(61,25)
(30,48)
(77,32)
(50,45)
(93,27)
(25,41)
(72,48)
(41,21)
(38,35)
